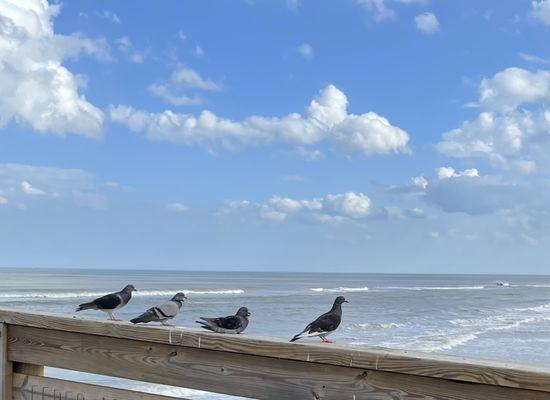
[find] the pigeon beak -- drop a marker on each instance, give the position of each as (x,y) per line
(345,301)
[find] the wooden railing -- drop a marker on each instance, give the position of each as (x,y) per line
(243,365)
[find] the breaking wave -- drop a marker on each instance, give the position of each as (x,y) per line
(340,289)
(477,287)
(464,330)
(373,325)
(142,293)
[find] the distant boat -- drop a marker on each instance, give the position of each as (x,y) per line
(503,284)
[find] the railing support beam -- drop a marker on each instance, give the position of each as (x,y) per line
(6,367)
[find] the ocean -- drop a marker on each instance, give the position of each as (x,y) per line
(495,317)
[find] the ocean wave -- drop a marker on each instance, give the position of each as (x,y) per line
(464,330)
(340,289)
(374,325)
(142,293)
(419,288)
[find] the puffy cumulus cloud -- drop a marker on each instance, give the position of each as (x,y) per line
(510,88)
(449,172)
(28,188)
(24,183)
(35,87)
(326,118)
(540,9)
(332,207)
(508,136)
(182,80)
(427,23)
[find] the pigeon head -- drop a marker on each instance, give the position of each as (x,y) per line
(179,297)
(340,300)
(129,288)
(243,312)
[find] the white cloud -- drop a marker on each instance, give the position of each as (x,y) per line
(379,8)
(508,136)
(469,192)
(182,36)
(20,182)
(199,52)
(29,189)
(427,23)
(382,9)
(326,118)
(332,207)
(181,80)
(510,88)
(191,78)
(109,15)
(541,10)
(449,172)
(177,207)
(35,88)
(534,58)
(3,200)
(126,47)
(306,51)
(420,181)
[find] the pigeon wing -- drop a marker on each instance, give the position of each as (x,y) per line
(168,310)
(108,302)
(325,323)
(231,322)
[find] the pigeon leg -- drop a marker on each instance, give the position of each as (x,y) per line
(113,318)
(328,341)
(324,339)
(166,323)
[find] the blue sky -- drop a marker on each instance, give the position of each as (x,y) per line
(354,135)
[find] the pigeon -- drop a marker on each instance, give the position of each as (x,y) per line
(110,302)
(163,312)
(232,324)
(325,324)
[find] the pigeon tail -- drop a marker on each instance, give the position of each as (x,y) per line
(86,306)
(205,325)
(147,316)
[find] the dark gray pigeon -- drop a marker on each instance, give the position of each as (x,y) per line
(325,324)
(110,302)
(232,324)
(163,312)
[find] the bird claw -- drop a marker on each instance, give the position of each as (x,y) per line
(167,324)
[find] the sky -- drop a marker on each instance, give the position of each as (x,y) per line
(389,136)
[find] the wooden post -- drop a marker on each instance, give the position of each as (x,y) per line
(6,369)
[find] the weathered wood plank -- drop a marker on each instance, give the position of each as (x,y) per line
(237,374)
(406,362)
(29,387)
(6,368)
(28,369)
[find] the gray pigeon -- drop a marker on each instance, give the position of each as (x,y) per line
(110,302)
(163,312)
(232,324)
(325,324)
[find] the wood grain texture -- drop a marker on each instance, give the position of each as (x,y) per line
(237,374)
(6,369)
(29,387)
(28,369)
(401,361)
